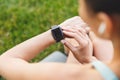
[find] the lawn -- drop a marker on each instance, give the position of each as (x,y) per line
(23,19)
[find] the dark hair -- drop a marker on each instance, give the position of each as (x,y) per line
(110,7)
(107,6)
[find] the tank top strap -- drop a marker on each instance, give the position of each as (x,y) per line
(104,70)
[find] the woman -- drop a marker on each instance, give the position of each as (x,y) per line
(19,69)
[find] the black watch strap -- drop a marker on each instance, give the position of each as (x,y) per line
(57,33)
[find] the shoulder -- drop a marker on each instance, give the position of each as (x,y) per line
(89,73)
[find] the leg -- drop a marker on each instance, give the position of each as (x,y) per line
(56,56)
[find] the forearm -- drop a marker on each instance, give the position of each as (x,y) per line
(30,48)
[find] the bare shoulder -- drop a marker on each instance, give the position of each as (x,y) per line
(87,72)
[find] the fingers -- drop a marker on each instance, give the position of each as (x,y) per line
(83,40)
(82,55)
(84,26)
(75,29)
(73,49)
(68,45)
(75,34)
(84,50)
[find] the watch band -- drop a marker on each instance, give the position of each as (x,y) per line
(57,33)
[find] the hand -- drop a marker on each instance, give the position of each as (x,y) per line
(103,49)
(73,22)
(84,51)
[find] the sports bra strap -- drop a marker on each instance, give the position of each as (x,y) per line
(105,71)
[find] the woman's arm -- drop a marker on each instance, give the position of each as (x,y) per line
(30,48)
(17,69)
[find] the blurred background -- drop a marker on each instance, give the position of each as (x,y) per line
(23,19)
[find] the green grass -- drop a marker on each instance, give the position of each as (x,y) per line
(23,19)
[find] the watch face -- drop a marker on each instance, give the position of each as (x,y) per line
(57,33)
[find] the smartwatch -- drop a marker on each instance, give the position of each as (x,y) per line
(57,33)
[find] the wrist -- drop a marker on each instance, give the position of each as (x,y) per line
(50,37)
(86,60)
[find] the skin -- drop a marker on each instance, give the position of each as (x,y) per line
(16,61)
